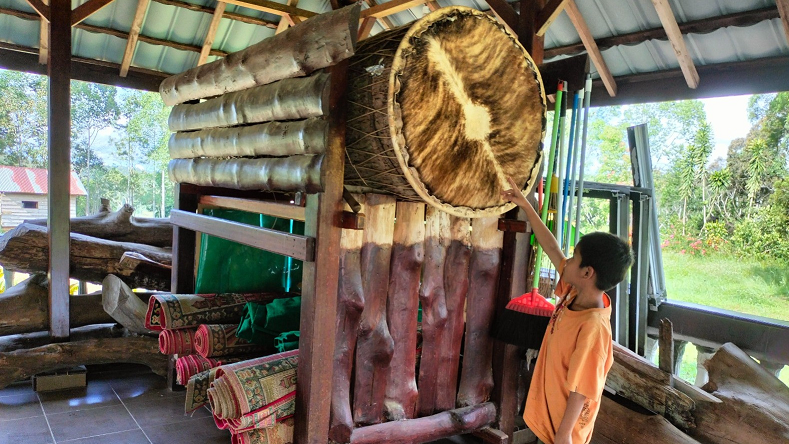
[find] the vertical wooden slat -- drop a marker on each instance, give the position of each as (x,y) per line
(59,69)
(134,33)
(319,280)
(184,243)
(211,33)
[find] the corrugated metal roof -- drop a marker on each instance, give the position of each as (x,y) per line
(33,181)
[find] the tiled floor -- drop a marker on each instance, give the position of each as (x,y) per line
(132,406)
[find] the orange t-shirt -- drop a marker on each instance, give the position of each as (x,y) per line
(575,356)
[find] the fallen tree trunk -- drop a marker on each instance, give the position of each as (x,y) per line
(26,249)
(288,99)
(402,307)
(26,306)
(322,41)
(39,338)
(120,226)
(755,407)
(21,364)
(617,424)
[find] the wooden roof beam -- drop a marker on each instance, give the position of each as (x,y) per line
(87,9)
(211,33)
(285,20)
(41,8)
(227,15)
(43,40)
(273,8)
(391,7)
(783,10)
(385,22)
(591,47)
(547,15)
(134,33)
(433,6)
(506,15)
(669,22)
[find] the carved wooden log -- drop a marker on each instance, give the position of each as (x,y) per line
(429,428)
(434,310)
(402,308)
(617,424)
(374,347)
(456,283)
(289,99)
(266,139)
(37,339)
(476,379)
(26,308)
(21,364)
(755,407)
(350,303)
(120,226)
(295,173)
(123,305)
(26,249)
(632,377)
(317,43)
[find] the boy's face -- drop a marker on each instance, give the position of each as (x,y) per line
(573,273)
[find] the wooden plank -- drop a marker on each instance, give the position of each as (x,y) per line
(526,25)
(547,15)
(87,9)
(293,245)
(285,211)
(783,10)
(285,20)
(273,8)
(59,65)
(391,7)
(591,47)
(677,42)
(228,15)
(492,436)
(506,15)
(666,346)
(211,33)
(134,32)
(41,8)
(184,245)
(366,27)
(43,39)
(385,21)
(433,6)
(149,40)
(319,281)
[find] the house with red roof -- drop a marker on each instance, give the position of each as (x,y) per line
(23,194)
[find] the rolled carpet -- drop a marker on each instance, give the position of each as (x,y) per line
(190,365)
(174,311)
(245,387)
(197,389)
(180,342)
(282,433)
(212,340)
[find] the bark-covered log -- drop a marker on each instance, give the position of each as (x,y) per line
(319,42)
(456,284)
(120,226)
(289,99)
(21,364)
(123,305)
(278,139)
(632,377)
(350,303)
(25,308)
(476,379)
(402,307)
(755,407)
(429,428)
(295,173)
(26,249)
(374,346)
(617,424)
(37,339)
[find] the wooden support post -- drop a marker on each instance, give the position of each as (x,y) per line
(666,346)
(59,68)
(184,243)
(319,281)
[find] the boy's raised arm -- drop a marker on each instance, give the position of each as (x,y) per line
(541,232)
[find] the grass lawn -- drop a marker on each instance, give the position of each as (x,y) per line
(742,285)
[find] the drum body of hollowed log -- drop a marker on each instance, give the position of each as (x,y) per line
(443,111)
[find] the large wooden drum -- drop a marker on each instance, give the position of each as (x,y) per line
(443,111)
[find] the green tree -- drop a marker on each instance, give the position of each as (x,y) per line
(23,119)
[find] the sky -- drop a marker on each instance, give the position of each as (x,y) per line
(728,117)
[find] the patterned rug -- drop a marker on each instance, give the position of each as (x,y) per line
(212,340)
(174,311)
(282,433)
(177,342)
(190,365)
(244,388)
(197,389)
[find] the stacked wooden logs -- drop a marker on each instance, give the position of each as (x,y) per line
(135,250)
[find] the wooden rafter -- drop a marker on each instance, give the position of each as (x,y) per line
(783,10)
(677,42)
(87,9)
(43,40)
(505,14)
(285,20)
(41,8)
(391,7)
(209,36)
(433,6)
(591,47)
(228,15)
(273,8)
(384,21)
(366,27)
(547,15)
(134,33)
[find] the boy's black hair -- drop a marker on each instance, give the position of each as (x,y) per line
(609,255)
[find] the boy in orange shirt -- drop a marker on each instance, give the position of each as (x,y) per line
(576,352)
